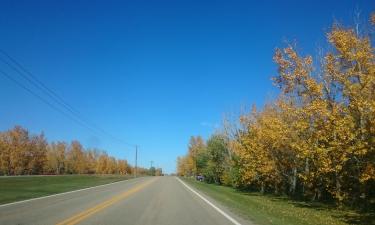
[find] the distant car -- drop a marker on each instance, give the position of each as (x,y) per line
(199,178)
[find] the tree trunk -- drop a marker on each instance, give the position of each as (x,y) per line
(276,189)
(338,188)
(307,171)
(292,189)
(262,188)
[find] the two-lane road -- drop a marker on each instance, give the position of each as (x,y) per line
(141,201)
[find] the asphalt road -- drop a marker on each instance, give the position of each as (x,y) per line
(141,201)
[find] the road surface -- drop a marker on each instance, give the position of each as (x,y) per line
(141,201)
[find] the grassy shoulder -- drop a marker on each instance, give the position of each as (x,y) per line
(25,187)
(266,209)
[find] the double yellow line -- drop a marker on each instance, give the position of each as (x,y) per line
(91,211)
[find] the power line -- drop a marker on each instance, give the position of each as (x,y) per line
(77,117)
(43,100)
(27,75)
(36,82)
(60,111)
(55,97)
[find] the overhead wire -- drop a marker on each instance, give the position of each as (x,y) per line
(73,114)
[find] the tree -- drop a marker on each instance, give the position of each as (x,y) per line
(159,172)
(56,158)
(152,171)
(316,140)
(37,154)
(102,165)
(196,149)
(123,167)
(217,152)
(76,159)
(22,153)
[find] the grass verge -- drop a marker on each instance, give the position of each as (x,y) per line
(268,209)
(25,187)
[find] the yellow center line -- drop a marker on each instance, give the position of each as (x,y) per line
(91,211)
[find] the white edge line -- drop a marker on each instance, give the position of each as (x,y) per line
(211,204)
(63,193)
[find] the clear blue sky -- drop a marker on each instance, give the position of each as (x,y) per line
(152,72)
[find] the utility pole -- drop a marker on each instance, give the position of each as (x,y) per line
(136,159)
(151,163)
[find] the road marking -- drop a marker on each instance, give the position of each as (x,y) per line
(64,193)
(91,211)
(211,204)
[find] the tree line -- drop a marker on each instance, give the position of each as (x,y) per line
(24,154)
(315,141)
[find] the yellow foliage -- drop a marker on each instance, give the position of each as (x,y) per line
(319,135)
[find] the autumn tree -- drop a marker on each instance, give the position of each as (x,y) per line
(317,139)
(123,167)
(25,154)
(195,153)
(102,164)
(76,159)
(36,155)
(56,162)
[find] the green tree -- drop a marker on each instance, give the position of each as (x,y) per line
(217,152)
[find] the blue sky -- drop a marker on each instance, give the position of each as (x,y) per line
(152,73)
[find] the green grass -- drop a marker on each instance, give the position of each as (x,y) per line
(268,209)
(20,188)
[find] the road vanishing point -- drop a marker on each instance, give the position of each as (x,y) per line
(141,201)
